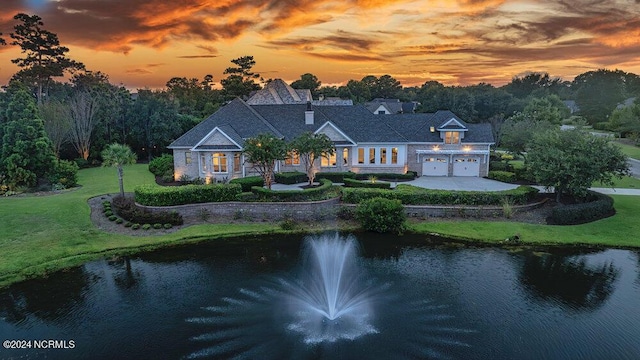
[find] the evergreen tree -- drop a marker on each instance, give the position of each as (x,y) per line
(27,154)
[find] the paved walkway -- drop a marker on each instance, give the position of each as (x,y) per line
(466,184)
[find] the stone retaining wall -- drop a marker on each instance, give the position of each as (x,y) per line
(320,210)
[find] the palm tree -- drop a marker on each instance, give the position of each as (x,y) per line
(116,155)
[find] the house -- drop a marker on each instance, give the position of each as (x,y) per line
(279,92)
(437,144)
(391,106)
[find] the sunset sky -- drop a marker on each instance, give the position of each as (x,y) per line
(143,43)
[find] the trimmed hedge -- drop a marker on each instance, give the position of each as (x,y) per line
(311,194)
(381,215)
(366,184)
(504,176)
(500,166)
(387,176)
(412,195)
(152,195)
(248,182)
(600,207)
(128,210)
(291,177)
(336,177)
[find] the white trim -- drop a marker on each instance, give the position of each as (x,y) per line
(454,152)
(452,120)
(329,123)
(210,134)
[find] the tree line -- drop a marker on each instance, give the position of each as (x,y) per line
(80,117)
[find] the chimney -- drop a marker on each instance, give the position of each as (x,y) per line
(308,114)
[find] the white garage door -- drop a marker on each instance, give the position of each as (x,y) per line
(466,166)
(435,166)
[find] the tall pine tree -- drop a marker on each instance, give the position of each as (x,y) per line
(27,154)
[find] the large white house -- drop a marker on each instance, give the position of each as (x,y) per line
(433,144)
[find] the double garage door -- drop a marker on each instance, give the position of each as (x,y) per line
(462,166)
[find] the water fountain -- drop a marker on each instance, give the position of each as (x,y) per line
(324,309)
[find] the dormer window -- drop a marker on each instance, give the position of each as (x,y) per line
(452,137)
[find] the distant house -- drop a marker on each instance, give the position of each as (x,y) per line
(437,144)
(572,106)
(391,106)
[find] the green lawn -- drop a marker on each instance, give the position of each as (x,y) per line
(45,233)
(630,150)
(40,234)
(626,182)
(623,229)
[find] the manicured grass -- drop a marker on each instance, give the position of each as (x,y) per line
(623,229)
(631,151)
(626,182)
(41,234)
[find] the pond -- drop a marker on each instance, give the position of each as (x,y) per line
(408,297)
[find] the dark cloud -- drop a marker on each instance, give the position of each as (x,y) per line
(197,56)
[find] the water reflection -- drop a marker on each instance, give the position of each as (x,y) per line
(569,280)
(49,299)
(124,276)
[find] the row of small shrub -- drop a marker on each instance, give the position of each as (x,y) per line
(412,195)
(290,177)
(504,176)
(152,195)
(127,209)
(366,184)
(311,194)
(108,212)
(410,175)
(248,182)
(599,206)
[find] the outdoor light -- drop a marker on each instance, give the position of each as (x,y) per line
(436,148)
(433,129)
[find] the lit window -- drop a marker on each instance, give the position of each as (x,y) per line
(345,156)
(372,155)
(452,137)
(237,162)
(187,157)
(219,162)
(328,161)
(383,155)
(394,155)
(360,156)
(292,158)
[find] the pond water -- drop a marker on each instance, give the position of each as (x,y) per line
(405,297)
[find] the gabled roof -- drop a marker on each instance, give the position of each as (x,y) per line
(393,105)
(239,121)
(452,124)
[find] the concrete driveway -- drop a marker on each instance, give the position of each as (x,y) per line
(459,183)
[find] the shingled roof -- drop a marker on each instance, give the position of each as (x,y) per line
(240,121)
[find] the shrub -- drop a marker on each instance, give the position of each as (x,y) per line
(381,215)
(336,177)
(167,226)
(412,195)
(288,224)
(146,226)
(152,195)
(504,176)
(601,126)
(507,208)
(168,177)
(410,175)
(500,166)
(135,226)
(346,213)
(108,213)
(128,224)
(128,210)
(65,173)
(291,177)
(161,165)
(157,226)
(311,194)
(82,163)
(248,182)
(599,206)
(366,184)
(113,218)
